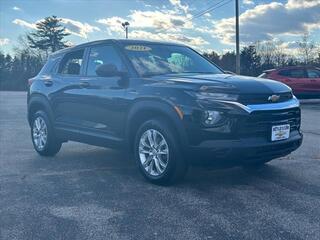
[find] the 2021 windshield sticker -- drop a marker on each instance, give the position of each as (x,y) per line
(139,48)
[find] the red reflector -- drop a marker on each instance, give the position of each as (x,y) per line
(30,81)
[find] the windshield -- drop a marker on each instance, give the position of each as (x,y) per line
(158,59)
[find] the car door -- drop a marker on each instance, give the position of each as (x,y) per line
(64,99)
(314,78)
(101,98)
(295,78)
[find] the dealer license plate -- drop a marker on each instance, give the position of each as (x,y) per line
(280,132)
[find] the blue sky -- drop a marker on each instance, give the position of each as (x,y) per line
(169,20)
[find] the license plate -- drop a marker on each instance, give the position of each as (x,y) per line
(280,132)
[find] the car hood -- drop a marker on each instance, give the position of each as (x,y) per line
(223,82)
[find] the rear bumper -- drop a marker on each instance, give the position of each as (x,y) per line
(243,150)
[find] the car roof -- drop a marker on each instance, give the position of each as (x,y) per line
(289,68)
(114,41)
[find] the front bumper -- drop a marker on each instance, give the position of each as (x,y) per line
(247,137)
(245,150)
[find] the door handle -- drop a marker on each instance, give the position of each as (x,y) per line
(84,84)
(48,83)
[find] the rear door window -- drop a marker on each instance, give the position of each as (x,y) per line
(71,63)
(293,73)
(313,73)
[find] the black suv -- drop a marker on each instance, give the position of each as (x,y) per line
(163,102)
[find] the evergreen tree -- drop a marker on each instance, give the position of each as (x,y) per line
(228,61)
(213,57)
(49,35)
(250,61)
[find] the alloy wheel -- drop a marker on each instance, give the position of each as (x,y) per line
(153,152)
(39,133)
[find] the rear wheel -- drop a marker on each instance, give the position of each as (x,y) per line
(158,154)
(43,136)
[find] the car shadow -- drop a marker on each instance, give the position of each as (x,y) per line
(79,158)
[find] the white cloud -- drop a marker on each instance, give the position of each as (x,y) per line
(174,37)
(78,28)
(248,2)
(178,5)
(158,20)
(302,3)
(113,23)
(4,41)
(16,8)
(266,21)
(73,27)
(23,23)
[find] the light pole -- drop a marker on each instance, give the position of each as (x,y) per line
(237,39)
(125,25)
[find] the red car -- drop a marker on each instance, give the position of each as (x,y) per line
(304,81)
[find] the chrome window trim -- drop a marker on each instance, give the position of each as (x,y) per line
(292,103)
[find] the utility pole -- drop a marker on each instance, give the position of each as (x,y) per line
(237,39)
(125,25)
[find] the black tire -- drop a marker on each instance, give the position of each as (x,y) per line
(52,145)
(176,166)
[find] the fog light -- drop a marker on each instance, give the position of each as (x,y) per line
(212,117)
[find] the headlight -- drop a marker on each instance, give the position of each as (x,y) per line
(217,96)
(212,118)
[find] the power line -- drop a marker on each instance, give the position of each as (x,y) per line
(201,13)
(209,9)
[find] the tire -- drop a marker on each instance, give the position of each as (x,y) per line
(154,164)
(43,135)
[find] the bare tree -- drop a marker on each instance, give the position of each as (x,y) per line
(23,47)
(266,50)
(272,53)
(307,49)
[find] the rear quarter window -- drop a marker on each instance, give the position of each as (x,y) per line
(51,66)
(71,63)
(292,73)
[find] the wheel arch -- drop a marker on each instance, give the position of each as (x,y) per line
(39,102)
(147,109)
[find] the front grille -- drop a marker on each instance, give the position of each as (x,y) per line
(248,99)
(259,123)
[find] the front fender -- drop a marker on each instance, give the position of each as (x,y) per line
(163,108)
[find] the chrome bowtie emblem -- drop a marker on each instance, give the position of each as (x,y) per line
(273,98)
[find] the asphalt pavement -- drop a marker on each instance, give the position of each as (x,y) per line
(88,192)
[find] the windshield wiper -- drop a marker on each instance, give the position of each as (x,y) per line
(153,74)
(201,72)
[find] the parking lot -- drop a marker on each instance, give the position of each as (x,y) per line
(87,192)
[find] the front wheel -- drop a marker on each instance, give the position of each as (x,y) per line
(157,153)
(43,136)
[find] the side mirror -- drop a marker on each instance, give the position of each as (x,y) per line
(108,70)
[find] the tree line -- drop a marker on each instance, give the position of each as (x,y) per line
(31,54)
(261,56)
(49,36)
